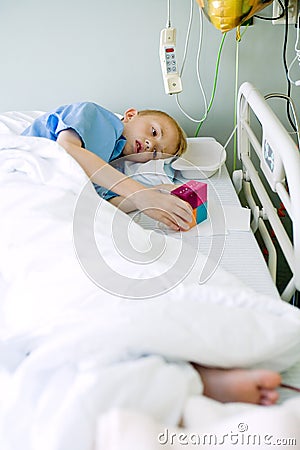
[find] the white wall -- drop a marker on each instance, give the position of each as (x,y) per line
(61,51)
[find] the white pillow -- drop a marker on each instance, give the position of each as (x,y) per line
(15,122)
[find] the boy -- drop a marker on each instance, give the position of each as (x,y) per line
(95,136)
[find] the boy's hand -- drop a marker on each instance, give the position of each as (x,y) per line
(165,188)
(168,209)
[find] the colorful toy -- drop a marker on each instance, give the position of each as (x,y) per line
(195,193)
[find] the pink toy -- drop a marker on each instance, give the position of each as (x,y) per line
(195,193)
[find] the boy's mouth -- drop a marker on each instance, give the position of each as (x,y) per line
(138,146)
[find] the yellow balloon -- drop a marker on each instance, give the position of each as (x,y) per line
(228,14)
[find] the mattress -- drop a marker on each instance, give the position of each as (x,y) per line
(239,252)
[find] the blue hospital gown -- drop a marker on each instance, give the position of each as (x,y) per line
(99,129)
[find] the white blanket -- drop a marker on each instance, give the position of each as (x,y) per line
(100,313)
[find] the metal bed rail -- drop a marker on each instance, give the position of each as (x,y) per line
(279,166)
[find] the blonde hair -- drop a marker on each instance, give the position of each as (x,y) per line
(182,142)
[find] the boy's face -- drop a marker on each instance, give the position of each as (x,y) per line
(148,136)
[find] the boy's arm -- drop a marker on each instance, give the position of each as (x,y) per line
(123,203)
(168,209)
(127,206)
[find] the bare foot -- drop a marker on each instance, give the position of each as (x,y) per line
(256,386)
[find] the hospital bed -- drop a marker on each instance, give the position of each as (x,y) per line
(87,361)
(267,180)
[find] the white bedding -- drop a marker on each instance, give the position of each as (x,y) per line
(72,347)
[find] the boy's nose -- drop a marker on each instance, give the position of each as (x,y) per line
(148,144)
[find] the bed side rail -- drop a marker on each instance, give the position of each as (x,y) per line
(279,169)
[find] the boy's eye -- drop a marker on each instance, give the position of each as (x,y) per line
(154,132)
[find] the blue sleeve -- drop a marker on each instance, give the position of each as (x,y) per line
(104,193)
(98,128)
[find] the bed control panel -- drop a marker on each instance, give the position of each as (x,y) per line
(168,61)
(271,165)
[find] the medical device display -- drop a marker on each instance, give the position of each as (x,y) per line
(271,165)
(168,60)
(195,193)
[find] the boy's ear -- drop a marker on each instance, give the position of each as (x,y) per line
(129,114)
